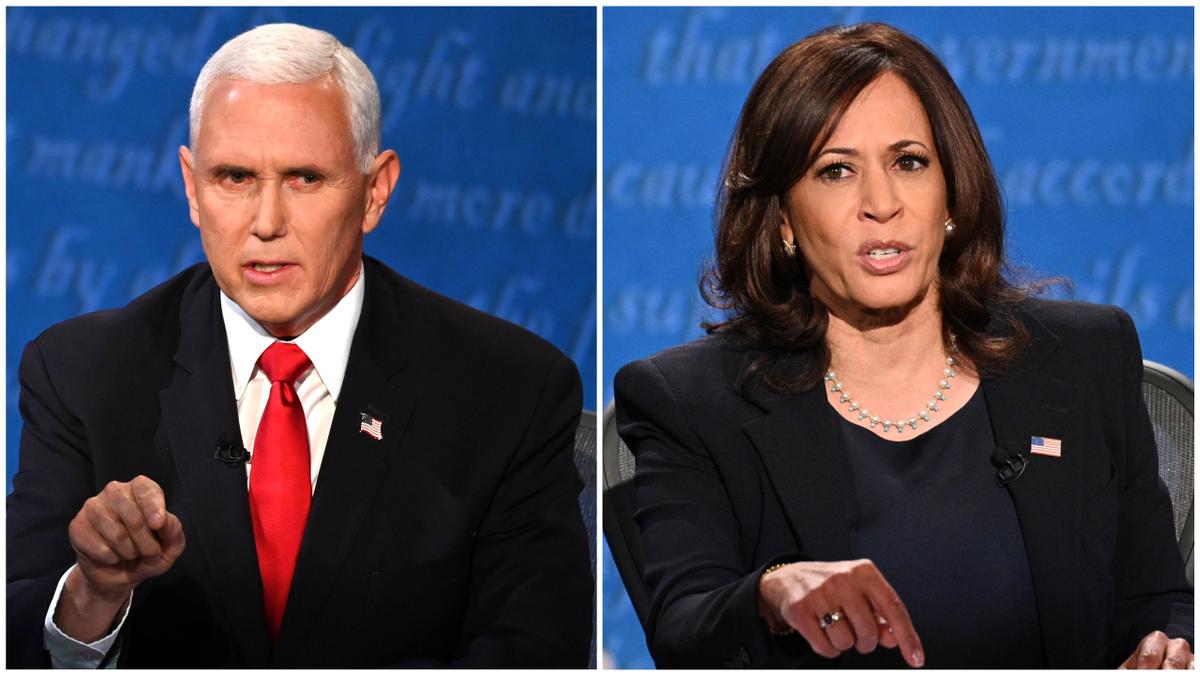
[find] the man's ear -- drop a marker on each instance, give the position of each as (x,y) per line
(385,172)
(189,183)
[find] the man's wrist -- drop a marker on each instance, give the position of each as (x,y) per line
(84,613)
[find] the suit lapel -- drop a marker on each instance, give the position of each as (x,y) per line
(377,382)
(197,405)
(1023,404)
(801,450)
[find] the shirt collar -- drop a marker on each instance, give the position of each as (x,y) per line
(326,342)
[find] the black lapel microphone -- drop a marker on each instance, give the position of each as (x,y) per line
(1010,461)
(229,449)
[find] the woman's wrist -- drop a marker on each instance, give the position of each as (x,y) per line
(766,610)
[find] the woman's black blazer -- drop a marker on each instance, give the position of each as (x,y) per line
(733,477)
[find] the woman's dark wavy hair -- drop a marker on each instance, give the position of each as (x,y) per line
(792,111)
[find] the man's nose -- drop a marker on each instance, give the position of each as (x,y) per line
(270,219)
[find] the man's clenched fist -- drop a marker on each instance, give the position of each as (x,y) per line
(121,536)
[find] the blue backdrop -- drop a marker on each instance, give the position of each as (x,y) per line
(1087,114)
(492,111)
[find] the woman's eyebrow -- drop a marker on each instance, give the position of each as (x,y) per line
(898,145)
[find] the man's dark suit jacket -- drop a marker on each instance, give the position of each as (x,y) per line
(732,477)
(457,539)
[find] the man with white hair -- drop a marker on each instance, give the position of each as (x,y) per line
(293,456)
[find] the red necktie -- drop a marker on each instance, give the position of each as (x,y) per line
(280,490)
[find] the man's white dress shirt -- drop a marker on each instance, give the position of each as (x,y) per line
(327,344)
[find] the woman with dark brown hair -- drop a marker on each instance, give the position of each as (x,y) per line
(885,443)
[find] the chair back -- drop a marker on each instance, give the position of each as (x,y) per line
(620,530)
(1170,397)
(585,464)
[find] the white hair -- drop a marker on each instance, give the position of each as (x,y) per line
(287,53)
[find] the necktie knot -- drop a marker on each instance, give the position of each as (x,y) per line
(283,362)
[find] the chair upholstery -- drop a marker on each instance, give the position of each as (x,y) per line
(585,464)
(1170,399)
(620,530)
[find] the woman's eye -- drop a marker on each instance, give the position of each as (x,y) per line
(911,163)
(834,172)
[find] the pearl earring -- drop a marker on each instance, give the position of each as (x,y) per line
(949,226)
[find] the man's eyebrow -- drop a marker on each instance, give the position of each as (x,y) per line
(307,168)
(222,169)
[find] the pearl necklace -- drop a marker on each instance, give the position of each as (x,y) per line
(948,373)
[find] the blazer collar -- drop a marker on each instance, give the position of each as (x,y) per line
(800,447)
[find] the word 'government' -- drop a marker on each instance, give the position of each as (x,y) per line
(699,50)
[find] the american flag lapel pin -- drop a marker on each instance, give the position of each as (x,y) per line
(371,426)
(1044,445)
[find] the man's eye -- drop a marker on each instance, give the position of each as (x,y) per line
(238,176)
(304,178)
